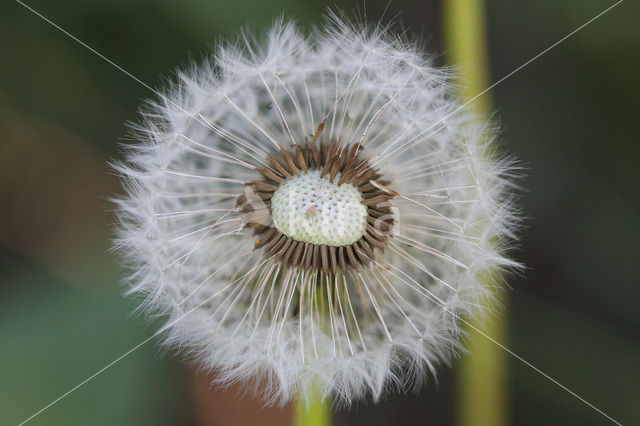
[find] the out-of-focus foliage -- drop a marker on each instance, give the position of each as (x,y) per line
(571,117)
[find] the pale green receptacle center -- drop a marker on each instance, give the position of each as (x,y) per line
(313,209)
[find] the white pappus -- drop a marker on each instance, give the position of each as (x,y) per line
(315,208)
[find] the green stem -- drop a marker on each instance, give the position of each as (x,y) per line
(481,375)
(317,413)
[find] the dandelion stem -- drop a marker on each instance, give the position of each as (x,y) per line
(315,412)
(481,380)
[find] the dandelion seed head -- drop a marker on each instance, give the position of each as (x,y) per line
(315,208)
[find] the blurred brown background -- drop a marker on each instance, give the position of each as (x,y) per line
(571,117)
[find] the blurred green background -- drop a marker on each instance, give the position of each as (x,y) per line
(571,117)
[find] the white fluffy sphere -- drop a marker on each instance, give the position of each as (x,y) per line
(291,307)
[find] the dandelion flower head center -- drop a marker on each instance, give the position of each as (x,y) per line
(319,206)
(313,209)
